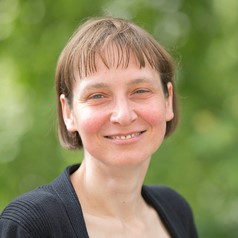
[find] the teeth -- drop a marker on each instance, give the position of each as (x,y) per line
(126,137)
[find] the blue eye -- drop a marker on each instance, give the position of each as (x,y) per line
(139,91)
(97,96)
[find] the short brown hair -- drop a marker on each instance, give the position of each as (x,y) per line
(94,39)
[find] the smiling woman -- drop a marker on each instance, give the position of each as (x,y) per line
(116,101)
(114,43)
(119,111)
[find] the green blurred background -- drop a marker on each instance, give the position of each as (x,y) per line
(199,160)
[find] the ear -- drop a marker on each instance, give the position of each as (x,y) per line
(67,113)
(169,103)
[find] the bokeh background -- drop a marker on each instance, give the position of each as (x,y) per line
(199,160)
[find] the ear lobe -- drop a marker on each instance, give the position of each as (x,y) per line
(67,114)
(169,103)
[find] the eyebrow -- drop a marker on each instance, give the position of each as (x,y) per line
(140,80)
(105,85)
(96,86)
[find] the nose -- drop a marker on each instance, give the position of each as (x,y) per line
(123,113)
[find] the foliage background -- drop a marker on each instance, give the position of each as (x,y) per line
(199,161)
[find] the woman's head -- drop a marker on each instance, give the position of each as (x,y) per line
(97,39)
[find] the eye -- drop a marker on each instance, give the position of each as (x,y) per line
(97,96)
(141,91)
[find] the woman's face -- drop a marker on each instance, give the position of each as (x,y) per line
(120,113)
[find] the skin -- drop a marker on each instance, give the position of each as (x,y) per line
(120,114)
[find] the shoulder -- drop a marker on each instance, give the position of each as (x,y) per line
(174,207)
(31,211)
(169,197)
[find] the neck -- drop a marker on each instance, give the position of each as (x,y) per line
(109,190)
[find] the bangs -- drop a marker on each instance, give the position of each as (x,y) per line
(114,48)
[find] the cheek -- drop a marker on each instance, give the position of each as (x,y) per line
(89,122)
(155,115)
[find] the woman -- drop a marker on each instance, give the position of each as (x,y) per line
(116,100)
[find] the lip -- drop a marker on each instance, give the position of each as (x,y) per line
(123,137)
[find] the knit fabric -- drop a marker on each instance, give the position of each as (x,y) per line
(53,211)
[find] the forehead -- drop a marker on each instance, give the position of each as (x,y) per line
(118,75)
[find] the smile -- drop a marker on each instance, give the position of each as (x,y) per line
(125,137)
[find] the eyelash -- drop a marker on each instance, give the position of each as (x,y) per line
(96,96)
(141,91)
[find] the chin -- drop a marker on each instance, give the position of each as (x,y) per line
(125,160)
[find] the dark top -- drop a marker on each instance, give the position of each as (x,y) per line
(54,211)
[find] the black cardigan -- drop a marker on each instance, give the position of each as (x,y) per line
(54,211)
